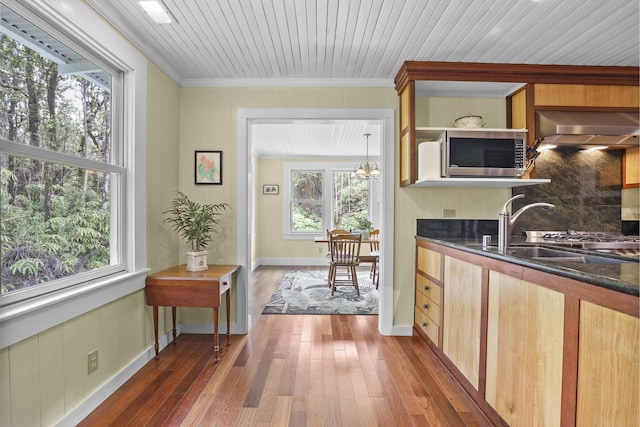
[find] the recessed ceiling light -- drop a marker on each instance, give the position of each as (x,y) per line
(157,11)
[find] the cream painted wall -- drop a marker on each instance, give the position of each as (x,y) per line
(268,208)
(443,111)
(209,119)
(45,376)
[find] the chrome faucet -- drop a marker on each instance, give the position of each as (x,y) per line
(506,221)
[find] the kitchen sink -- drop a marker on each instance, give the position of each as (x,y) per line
(541,253)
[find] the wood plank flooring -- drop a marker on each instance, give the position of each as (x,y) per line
(292,370)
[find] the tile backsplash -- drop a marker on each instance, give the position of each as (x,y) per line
(586,188)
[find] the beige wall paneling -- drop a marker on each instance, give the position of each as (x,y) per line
(461,322)
(163,245)
(75,362)
(524,351)
(443,111)
(25,383)
(608,368)
(5,388)
(51,369)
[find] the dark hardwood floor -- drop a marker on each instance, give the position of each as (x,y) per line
(291,370)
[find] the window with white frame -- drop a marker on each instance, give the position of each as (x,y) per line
(62,173)
(321,196)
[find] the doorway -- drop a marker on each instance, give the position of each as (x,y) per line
(246,191)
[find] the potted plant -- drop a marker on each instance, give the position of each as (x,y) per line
(194,222)
(365,226)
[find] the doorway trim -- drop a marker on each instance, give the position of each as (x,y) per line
(245,191)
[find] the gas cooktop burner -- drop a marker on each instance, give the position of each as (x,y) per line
(589,237)
(602,241)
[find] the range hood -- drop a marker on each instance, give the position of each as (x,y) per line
(588,128)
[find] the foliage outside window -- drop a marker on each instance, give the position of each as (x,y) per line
(307,203)
(317,203)
(60,176)
(350,201)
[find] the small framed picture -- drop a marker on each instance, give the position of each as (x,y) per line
(208,167)
(270,189)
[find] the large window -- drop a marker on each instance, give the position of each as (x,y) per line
(321,196)
(307,203)
(61,168)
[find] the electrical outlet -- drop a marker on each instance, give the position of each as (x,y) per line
(448,213)
(92,361)
(320,250)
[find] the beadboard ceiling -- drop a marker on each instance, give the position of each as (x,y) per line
(364,42)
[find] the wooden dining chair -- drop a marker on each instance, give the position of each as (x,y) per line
(344,253)
(334,232)
(374,256)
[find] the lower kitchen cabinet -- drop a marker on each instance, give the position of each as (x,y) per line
(531,348)
(428,308)
(462,316)
(608,367)
(524,351)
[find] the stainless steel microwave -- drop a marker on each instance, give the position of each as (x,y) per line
(484,153)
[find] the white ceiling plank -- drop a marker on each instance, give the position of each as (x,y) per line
(284,33)
(312,44)
(386,23)
(342,42)
(300,9)
(330,36)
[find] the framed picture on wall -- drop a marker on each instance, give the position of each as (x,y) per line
(270,189)
(208,167)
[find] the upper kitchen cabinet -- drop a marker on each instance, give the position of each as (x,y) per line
(512,95)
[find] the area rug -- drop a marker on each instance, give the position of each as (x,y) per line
(307,292)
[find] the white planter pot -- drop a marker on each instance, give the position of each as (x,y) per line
(197,261)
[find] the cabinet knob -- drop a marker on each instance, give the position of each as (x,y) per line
(426,288)
(424,324)
(425,306)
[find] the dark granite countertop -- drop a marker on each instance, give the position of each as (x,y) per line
(622,277)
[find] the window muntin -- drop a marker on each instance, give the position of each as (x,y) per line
(60,181)
(350,200)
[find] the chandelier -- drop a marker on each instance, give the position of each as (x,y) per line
(367,169)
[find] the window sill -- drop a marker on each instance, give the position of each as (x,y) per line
(307,236)
(24,319)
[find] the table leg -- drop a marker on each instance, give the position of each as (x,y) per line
(228,317)
(216,343)
(155,329)
(173,316)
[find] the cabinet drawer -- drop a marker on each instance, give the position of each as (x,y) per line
(429,289)
(430,262)
(428,326)
(429,307)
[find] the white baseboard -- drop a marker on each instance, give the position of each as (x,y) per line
(401,331)
(291,261)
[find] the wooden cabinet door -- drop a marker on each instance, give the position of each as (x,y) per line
(608,368)
(524,351)
(631,168)
(461,321)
